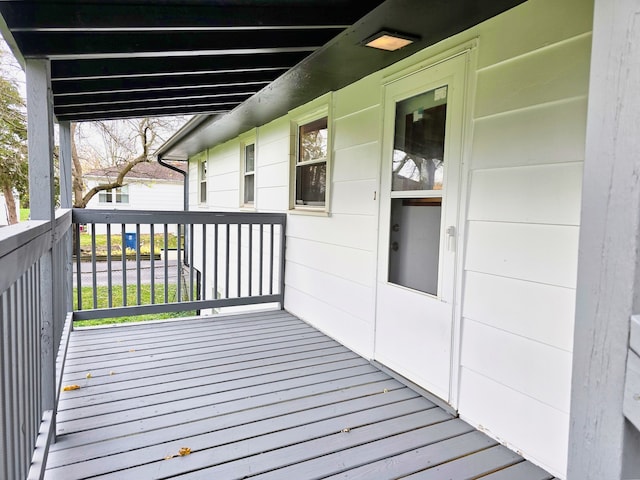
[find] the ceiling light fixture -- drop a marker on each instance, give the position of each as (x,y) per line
(384,40)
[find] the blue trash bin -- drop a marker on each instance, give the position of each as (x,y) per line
(130,241)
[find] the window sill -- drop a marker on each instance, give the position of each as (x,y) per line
(314,212)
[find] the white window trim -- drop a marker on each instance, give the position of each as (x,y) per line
(200,159)
(246,139)
(314,110)
(112,193)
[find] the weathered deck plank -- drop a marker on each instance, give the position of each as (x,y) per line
(260,395)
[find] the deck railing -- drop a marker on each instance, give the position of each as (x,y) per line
(34,301)
(218,259)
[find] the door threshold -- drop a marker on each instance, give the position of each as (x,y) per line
(417,388)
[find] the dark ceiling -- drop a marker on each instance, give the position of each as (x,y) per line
(237,63)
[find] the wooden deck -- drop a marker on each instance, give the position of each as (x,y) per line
(261,395)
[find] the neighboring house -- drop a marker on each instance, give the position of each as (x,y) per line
(434,215)
(148,186)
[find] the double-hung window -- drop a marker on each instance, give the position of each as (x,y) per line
(312,158)
(248,173)
(202,179)
(115,195)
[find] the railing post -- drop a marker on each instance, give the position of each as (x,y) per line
(66,201)
(41,197)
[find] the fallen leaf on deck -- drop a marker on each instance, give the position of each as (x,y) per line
(184,451)
(132,350)
(385,391)
(346,430)
(169,457)
(88,375)
(112,372)
(70,387)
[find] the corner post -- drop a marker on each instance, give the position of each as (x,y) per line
(41,203)
(602,443)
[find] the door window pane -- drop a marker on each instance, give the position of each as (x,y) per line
(418,148)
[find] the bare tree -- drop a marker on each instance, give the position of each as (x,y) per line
(122,144)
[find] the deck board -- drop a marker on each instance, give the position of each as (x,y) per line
(259,395)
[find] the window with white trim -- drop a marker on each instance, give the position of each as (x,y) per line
(115,195)
(202,180)
(249,173)
(311,161)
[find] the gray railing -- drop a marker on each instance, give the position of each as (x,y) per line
(220,259)
(34,300)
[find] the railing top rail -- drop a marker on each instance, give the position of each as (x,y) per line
(15,236)
(175,217)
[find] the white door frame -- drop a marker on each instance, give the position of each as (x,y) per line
(470,50)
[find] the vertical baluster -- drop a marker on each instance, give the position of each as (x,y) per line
(239,260)
(138,273)
(226,264)
(215,261)
(179,264)
(261,268)
(109,274)
(78,268)
(21,385)
(166,263)
(283,243)
(152,236)
(250,256)
(271,259)
(94,266)
(124,264)
(203,287)
(190,256)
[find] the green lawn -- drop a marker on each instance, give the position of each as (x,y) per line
(116,243)
(24,214)
(116,292)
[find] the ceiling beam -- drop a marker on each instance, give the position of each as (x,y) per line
(75,16)
(63,87)
(134,44)
(63,69)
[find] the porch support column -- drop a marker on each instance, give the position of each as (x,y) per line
(41,204)
(602,443)
(66,201)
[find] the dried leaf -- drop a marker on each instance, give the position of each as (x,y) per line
(88,375)
(184,451)
(346,430)
(70,387)
(112,372)
(132,350)
(169,457)
(385,391)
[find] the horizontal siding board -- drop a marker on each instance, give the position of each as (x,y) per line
(358,128)
(553,23)
(356,163)
(272,175)
(274,131)
(507,359)
(548,194)
(355,198)
(537,430)
(358,96)
(353,298)
(348,263)
(542,313)
(347,329)
(542,134)
(272,199)
(540,253)
(547,75)
(355,231)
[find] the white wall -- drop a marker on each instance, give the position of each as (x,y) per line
(143,195)
(523,167)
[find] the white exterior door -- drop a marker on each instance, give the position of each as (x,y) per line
(421,162)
